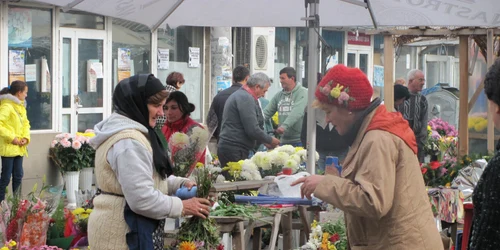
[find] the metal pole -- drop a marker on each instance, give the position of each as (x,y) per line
(312,79)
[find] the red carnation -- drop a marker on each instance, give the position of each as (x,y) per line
(435,165)
(334,238)
(424,170)
(220,247)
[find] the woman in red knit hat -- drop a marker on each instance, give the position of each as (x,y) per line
(380,187)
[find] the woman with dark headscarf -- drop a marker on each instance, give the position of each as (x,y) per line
(380,187)
(177,111)
(133,173)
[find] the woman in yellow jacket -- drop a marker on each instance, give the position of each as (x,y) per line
(14,134)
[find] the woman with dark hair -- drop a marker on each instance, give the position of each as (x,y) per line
(380,187)
(134,173)
(14,134)
(485,232)
(177,111)
(175,80)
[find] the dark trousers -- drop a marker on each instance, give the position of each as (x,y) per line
(227,154)
(11,167)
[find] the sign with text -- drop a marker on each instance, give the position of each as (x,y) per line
(358,39)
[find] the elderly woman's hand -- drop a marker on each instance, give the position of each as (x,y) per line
(309,185)
(197,207)
(189,184)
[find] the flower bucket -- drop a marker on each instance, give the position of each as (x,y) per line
(86,178)
(71,181)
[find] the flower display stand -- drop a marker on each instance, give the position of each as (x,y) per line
(71,180)
(86,178)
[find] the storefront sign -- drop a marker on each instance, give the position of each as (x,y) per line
(358,39)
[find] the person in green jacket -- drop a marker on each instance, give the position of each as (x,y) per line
(290,104)
(14,134)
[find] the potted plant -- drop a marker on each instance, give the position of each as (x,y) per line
(71,154)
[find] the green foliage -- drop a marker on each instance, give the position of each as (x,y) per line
(56,229)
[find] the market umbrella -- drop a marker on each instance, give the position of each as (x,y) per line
(290,13)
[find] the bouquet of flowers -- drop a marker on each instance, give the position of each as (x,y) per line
(196,233)
(441,140)
(186,150)
(72,153)
(327,236)
(27,220)
(271,163)
(442,173)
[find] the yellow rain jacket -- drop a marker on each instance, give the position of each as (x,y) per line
(13,123)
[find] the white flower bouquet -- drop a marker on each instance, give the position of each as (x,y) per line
(187,149)
(271,163)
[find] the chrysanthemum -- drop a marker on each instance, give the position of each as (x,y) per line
(185,245)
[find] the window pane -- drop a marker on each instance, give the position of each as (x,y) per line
(66,74)
(87,121)
(178,41)
(89,51)
(134,40)
(30,60)
(81,20)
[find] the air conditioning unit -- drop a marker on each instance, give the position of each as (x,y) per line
(261,52)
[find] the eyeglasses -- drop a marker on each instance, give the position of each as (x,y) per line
(421,79)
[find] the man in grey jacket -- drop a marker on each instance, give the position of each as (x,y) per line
(243,123)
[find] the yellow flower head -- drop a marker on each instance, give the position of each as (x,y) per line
(199,165)
(335,93)
(325,239)
(331,246)
(78,211)
(4,248)
(448,185)
(297,149)
(314,224)
(185,245)
(12,243)
(276,119)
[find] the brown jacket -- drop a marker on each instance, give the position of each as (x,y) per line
(382,193)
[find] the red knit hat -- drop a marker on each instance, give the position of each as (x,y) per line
(345,87)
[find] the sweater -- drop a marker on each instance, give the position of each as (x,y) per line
(124,166)
(290,107)
(219,102)
(242,122)
(414,110)
(485,231)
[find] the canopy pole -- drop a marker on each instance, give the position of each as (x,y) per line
(312,79)
(167,14)
(489,60)
(463,130)
(389,73)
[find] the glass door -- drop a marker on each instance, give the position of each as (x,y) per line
(360,58)
(82,79)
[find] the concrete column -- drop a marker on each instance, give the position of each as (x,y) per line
(221,56)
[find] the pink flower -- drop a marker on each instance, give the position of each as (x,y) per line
(89,131)
(343,97)
(53,143)
(326,89)
(65,143)
(443,171)
(76,144)
(67,135)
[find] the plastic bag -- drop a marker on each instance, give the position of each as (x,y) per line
(468,177)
